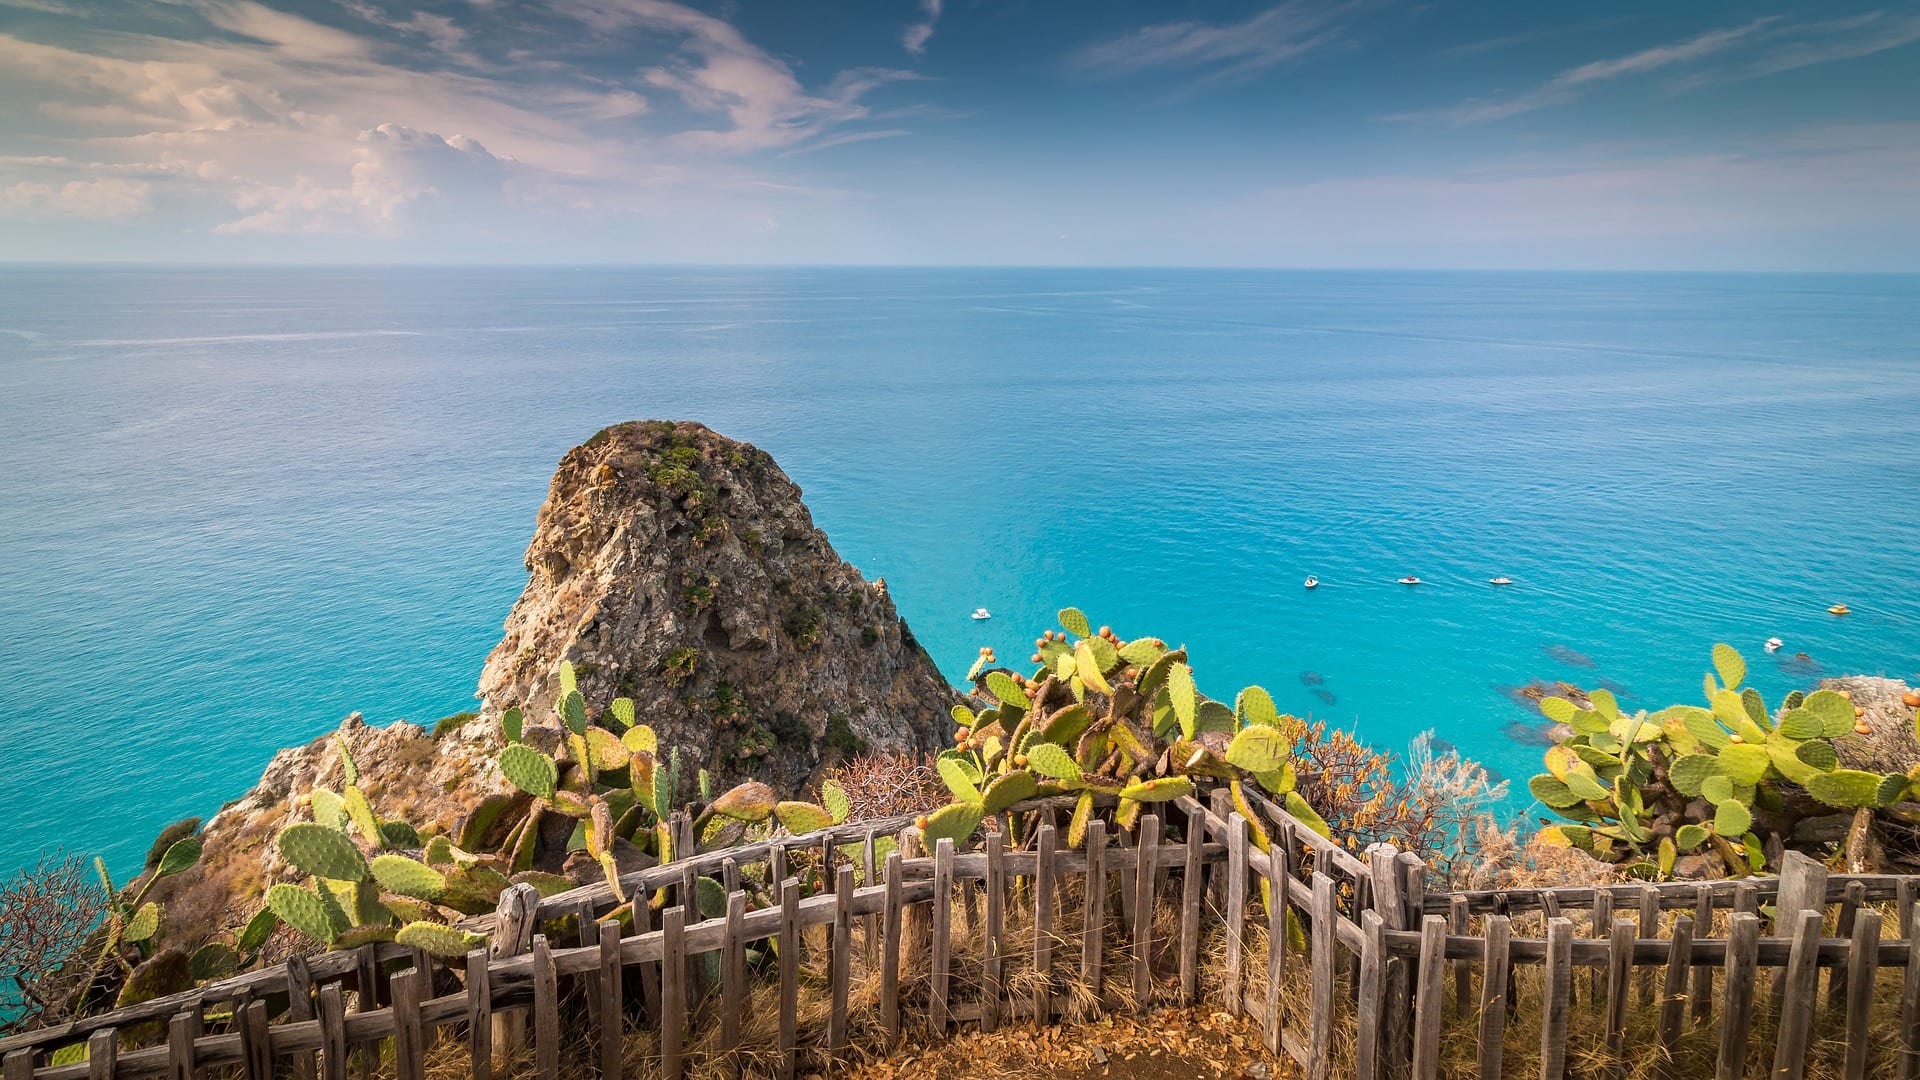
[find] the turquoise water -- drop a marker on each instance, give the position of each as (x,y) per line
(237,504)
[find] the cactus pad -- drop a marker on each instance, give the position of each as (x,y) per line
(608,752)
(181,854)
(955,822)
(329,809)
(301,909)
(1255,708)
(399,874)
(1053,762)
(1847,788)
(512,724)
(749,802)
(1731,666)
(360,812)
(1731,819)
(957,780)
(529,770)
(1007,790)
(1075,622)
(834,798)
(622,712)
(802,817)
(322,852)
(1259,749)
(573,712)
(1005,690)
(444,941)
(1162,789)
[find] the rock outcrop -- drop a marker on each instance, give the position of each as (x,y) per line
(1889,746)
(669,565)
(680,569)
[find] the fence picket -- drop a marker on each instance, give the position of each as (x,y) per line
(1702,1003)
(1619,971)
(1236,909)
(1325,941)
(733,973)
(789,974)
(891,931)
(256,1041)
(479,1017)
(1279,873)
(1043,896)
(1850,903)
(996,929)
(1558,991)
(184,1028)
(840,971)
(1799,989)
(673,990)
(103,1051)
(1909,1063)
(1428,1003)
(1094,923)
(1462,983)
(1190,895)
(1673,990)
(409,1051)
(1495,959)
(1736,1007)
(937,964)
(612,1003)
(1147,854)
(19,1065)
(1370,1000)
(1863,968)
(546,1010)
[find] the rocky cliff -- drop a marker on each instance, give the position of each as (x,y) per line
(669,565)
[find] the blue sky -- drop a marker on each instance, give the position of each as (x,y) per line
(1494,134)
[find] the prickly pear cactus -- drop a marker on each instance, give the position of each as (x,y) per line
(1643,789)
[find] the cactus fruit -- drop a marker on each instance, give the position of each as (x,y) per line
(439,940)
(399,874)
(322,852)
(529,770)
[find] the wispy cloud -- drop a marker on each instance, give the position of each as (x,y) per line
(1765,46)
(1274,36)
(917,34)
(1575,82)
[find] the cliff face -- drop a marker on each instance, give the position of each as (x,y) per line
(672,566)
(680,569)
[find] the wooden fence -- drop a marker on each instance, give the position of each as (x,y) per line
(995,936)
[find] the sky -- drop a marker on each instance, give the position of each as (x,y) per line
(1357,133)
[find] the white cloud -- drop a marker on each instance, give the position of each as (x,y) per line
(98,200)
(1276,35)
(917,34)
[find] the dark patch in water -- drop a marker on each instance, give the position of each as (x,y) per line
(1442,746)
(1526,734)
(1801,665)
(1569,657)
(1614,688)
(1311,678)
(1325,695)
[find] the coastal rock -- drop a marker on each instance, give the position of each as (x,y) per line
(679,568)
(1891,746)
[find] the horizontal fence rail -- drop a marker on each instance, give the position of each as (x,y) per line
(1344,962)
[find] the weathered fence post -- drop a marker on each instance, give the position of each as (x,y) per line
(333,1038)
(1909,1055)
(1428,1003)
(1371,999)
(612,1004)
(673,990)
(1325,940)
(1094,926)
(937,964)
(1863,967)
(891,931)
(1236,911)
(1147,853)
(840,969)
(1673,990)
(409,1049)
(546,1012)
(1803,887)
(1495,960)
(513,920)
(789,975)
(1619,972)
(996,928)
(1736,1007)
(1800,986)
(1190,894)
(1043,897)
(1558,990)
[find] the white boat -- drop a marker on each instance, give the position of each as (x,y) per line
(1311,582)
(982,613)
(1773,644)
(1500,581)
(1409,580)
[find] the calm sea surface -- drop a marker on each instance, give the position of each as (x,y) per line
(237,504)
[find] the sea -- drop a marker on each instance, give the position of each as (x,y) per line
(238,503)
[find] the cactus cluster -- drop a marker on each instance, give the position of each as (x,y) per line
(1725,781)
(610,775)
(373,879)
(1106,717)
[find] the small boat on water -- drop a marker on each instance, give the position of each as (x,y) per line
(1410,580)
(1839,609)
(1773,644)
(1500,581)
(1311,582)
(982,613)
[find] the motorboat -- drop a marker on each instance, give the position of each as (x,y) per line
(1839,609)
(1409,580)
(982,613)
(1773,644)
(1311,582)
(1500,581)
